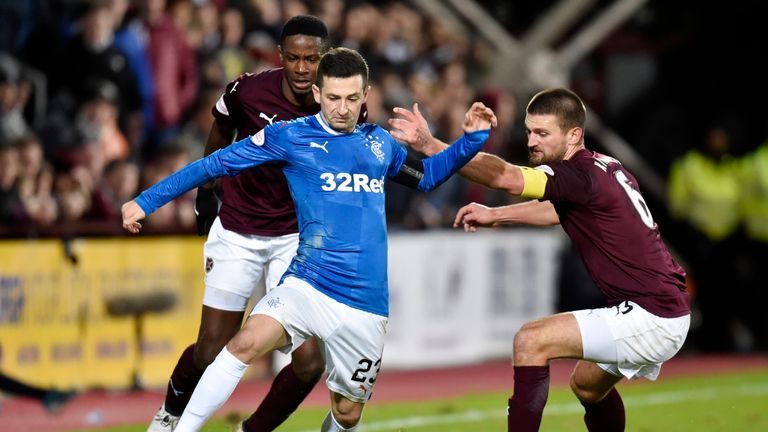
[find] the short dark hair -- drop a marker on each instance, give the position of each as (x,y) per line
(341,63)
(307,25)
(566,105)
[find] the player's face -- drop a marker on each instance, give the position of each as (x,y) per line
(300,56)
(547,143)
(340,101)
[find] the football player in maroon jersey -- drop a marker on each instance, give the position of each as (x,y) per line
(598,203)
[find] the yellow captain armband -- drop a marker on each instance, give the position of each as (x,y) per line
(534,182)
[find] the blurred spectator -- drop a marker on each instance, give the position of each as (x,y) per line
(174,69)
(99,111)
(119,184)
(128,39)
(17,18)
(754,171)
(704,194)
(36,183)
(230,60)
(207,20)
(11,207)
(194,132)
(13,97)
(73,189)
(25,185)
(91,55)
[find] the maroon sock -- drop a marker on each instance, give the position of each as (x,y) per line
(284,397)
(606,415)
(527,402)
(182,383)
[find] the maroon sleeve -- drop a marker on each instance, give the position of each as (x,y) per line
(568,182)
(231,103)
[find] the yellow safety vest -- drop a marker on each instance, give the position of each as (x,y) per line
(706,193)
(755,203)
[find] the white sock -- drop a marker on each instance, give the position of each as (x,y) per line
(215,387)
(331,425)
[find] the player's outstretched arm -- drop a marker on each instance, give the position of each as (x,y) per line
(474,215)
(132,214)
(411,128)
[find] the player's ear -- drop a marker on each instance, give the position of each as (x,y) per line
(316,92)
(575,135)
(280,53)
(365,93)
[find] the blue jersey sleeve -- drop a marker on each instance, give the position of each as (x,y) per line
(439,167)
(246,153)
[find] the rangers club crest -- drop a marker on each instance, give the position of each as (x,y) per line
(208,264)
(375,147)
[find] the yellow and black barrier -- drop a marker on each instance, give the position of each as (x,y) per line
(98,313)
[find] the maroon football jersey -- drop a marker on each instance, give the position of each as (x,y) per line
(257,201)
(601,209)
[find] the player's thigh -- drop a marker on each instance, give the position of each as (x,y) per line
(281,252)
(353,354)
(555,336)
(300,309)
(234,267)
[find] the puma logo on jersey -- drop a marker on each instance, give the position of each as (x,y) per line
(346,182)
(234,87)
(267,118)
(313,144)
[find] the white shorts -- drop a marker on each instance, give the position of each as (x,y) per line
(626,340)
(237,264)
(351,340)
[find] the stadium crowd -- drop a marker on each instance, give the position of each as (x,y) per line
(101,98)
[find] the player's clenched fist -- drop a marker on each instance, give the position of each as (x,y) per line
(132,214)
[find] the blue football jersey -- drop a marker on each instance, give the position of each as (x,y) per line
(337,182)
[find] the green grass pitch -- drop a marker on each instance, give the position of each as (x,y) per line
(723,402)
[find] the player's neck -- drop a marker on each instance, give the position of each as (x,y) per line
(303,100)
(572,150)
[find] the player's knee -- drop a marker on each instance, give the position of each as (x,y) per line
(243,345)
(205,353)
(347,415)
(208,346)
(526,341)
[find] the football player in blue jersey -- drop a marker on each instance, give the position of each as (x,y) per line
(336,286)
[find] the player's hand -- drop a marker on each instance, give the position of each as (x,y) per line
(206,209)
(472,216)
(132,214)
(411,128)
(479,117)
